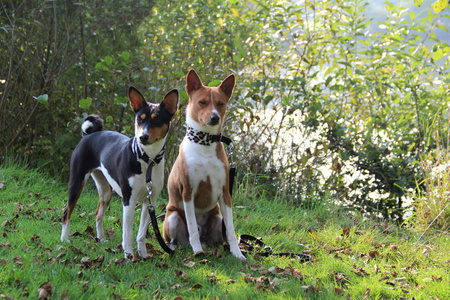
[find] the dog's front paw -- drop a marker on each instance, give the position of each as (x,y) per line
(143,253)
(65,239)
(131,257)
(197,249)
(142,250)
(238,254)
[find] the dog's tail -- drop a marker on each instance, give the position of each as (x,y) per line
(92,124)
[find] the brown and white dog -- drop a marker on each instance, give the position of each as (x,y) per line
(198,183)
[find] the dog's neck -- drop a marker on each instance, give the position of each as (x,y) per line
(148,153)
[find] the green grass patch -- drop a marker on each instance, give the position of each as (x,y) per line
(353,258)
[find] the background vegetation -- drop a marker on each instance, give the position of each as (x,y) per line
(329,103)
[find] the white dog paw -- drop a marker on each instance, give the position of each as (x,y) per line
(143,253)
(65,240)
(238,254)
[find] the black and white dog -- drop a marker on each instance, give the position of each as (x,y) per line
(117,162)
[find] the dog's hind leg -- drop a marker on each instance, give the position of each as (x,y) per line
(175,230)
(105,193)
(76,186)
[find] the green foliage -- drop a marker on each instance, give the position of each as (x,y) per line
(324,101)
(51,49)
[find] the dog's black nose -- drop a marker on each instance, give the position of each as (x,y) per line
(214,120)
(144,138)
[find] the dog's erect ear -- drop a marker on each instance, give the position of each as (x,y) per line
(137,101)
(170,101)
(227,85)
(193,82)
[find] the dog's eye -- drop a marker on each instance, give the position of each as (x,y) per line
(220,104)
(202,102)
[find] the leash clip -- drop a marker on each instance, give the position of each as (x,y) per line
(149,190)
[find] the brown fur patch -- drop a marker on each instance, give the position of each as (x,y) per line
(203,195)
(157,133)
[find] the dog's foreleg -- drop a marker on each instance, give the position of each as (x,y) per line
(191,220)
(143,227)
(127,227)
(227,214)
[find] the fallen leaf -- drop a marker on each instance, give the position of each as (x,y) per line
(179,273)
(212,278)
(360,271)
(90,231)
(434,278)
(61,255)
(346,232)
(385,277)
(7,245)
(196,286)
(45,291)
(118,296)
(85,285)
(275,226)
(204,261)
(109,250)
(366,294)
(202,253)
(377,270)
(310,288)
(65,295)
(338,291)
(2,184)
(319,219)
(340,277)
(34,238)
(18,261)
(263,280)
(98,261)
(85,262)
(374,254)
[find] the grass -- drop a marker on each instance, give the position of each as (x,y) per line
(353,258)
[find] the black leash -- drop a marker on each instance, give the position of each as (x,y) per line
(245,240)
(151,209)
(162,243)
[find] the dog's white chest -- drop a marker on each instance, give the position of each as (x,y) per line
(204,166)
